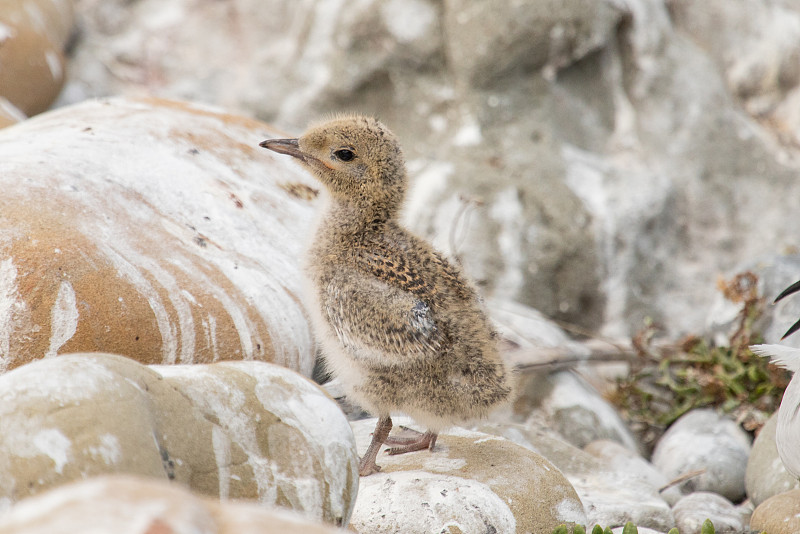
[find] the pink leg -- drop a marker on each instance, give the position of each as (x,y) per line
(367,465)
(419,442)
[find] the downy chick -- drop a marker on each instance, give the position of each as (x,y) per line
(399,324)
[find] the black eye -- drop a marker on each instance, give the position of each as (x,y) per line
(345,155)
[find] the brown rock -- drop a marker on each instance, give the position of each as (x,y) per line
(778,515)
(145,506)
(33,34)
(766,475)
(153,229)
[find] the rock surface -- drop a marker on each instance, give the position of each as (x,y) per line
(692,510)
(130,505)
(471,481)
(778,515)
(766,475)
(579,413)
(154,229)
(612,491)
(239,430)
(710,444)
(33,36)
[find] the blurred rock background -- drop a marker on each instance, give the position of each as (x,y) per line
(601,161)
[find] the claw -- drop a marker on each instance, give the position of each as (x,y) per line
(404,445)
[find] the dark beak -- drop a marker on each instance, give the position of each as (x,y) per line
(794,288)
(284,146)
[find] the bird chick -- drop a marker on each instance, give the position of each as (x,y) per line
(400,326)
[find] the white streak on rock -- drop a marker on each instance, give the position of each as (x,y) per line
(211,334)
(6,33)
(213,394)
(7,107)
(309,411)
(222,454)
(241,322)
(63,318)
(108,450)
(8,302)
(54,64)
(53,443)
(182,308)
(169,341)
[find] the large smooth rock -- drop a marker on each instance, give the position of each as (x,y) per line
(131,505)
(33,36)
(239,430)
(472,481)
(154,229)
(766,475)
(613,490)
(706,442)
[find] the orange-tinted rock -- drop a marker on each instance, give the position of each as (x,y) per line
(33,34)
(152,229)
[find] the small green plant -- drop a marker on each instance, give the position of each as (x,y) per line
(629,528)
(669,381)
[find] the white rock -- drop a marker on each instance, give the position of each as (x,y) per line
(702,440)
(418,501)
(692,510)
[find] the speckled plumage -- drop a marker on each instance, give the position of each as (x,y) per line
(400,325)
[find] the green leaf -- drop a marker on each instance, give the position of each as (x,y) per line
(707,528)
(597,529)
(674,530)
(560,529)
(630,528)
(578,529)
